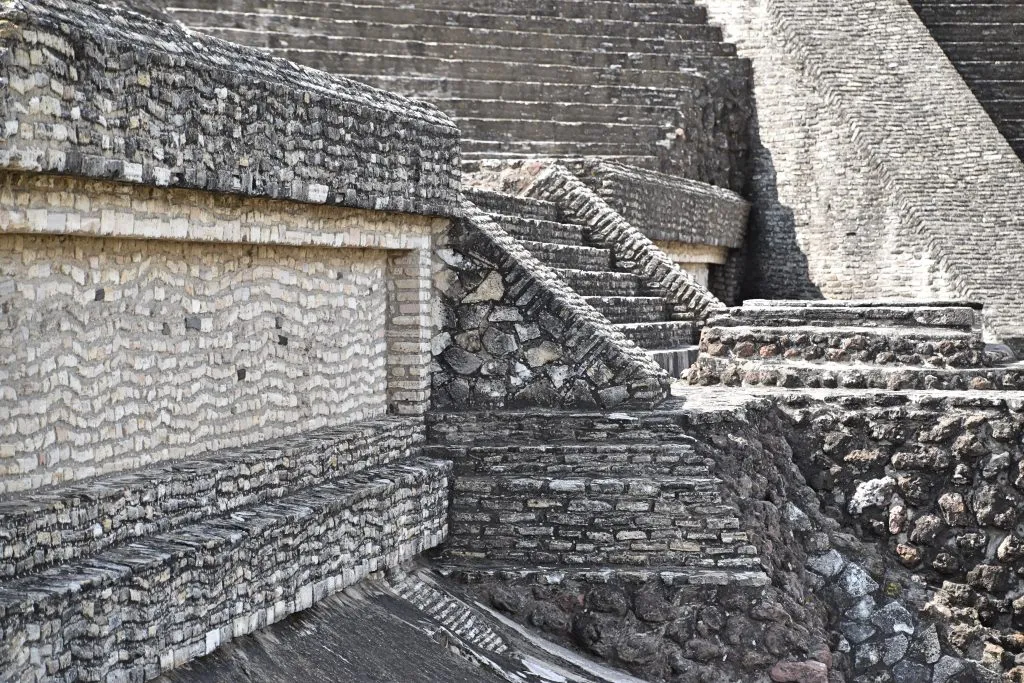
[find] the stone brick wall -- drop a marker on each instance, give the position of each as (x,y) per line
(878,173)
(125,345)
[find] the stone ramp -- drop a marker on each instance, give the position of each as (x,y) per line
(682,96)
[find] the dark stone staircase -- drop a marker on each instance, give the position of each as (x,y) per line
(639,311)
(645,83)
(985,42)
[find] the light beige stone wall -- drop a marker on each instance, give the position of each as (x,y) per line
(695,259)
(143,324)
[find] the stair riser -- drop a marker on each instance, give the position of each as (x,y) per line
(541,231)
(577,258)
(959,351)
(593,283)
(676,12)
(513,206)
(236,16)
(630,310)
(525,91)
(963,319)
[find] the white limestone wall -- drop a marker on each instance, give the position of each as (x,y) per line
(139,325)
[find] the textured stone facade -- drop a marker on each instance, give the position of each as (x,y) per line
(124,348)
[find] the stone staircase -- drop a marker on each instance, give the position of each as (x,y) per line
(124,576)
(854,345)
(639,311)
(646,83)
(585,493)
(985,43)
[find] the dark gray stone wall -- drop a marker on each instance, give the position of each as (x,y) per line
(668,208)
(96,91)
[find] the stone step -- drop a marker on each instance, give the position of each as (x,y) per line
(984,51)
(536,230)
(974,70)
(397,14)
(661,335)
(511,205)
(63,524)
(792,374)
(630,309)
(441,88)
(578,112)
(304,30)
(971,12)
(563,460)
(667,425)
(934,347)
(160,601)
(566,256)
(512,131)
(472,160)
(679,11)
(962,318)
(546,49)
(953,32)
(472,572)
(676,361)
(991,92)
(602,283)
(354,64)
(473,148)
(1004,108)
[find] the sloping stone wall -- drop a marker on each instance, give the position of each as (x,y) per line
(513,334)
(879,172)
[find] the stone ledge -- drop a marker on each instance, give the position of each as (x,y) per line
(157,603)
(669,208)
(105,93)
(63,524)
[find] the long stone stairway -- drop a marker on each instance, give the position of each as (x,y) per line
(646,83)
(985,43)
(639,311)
